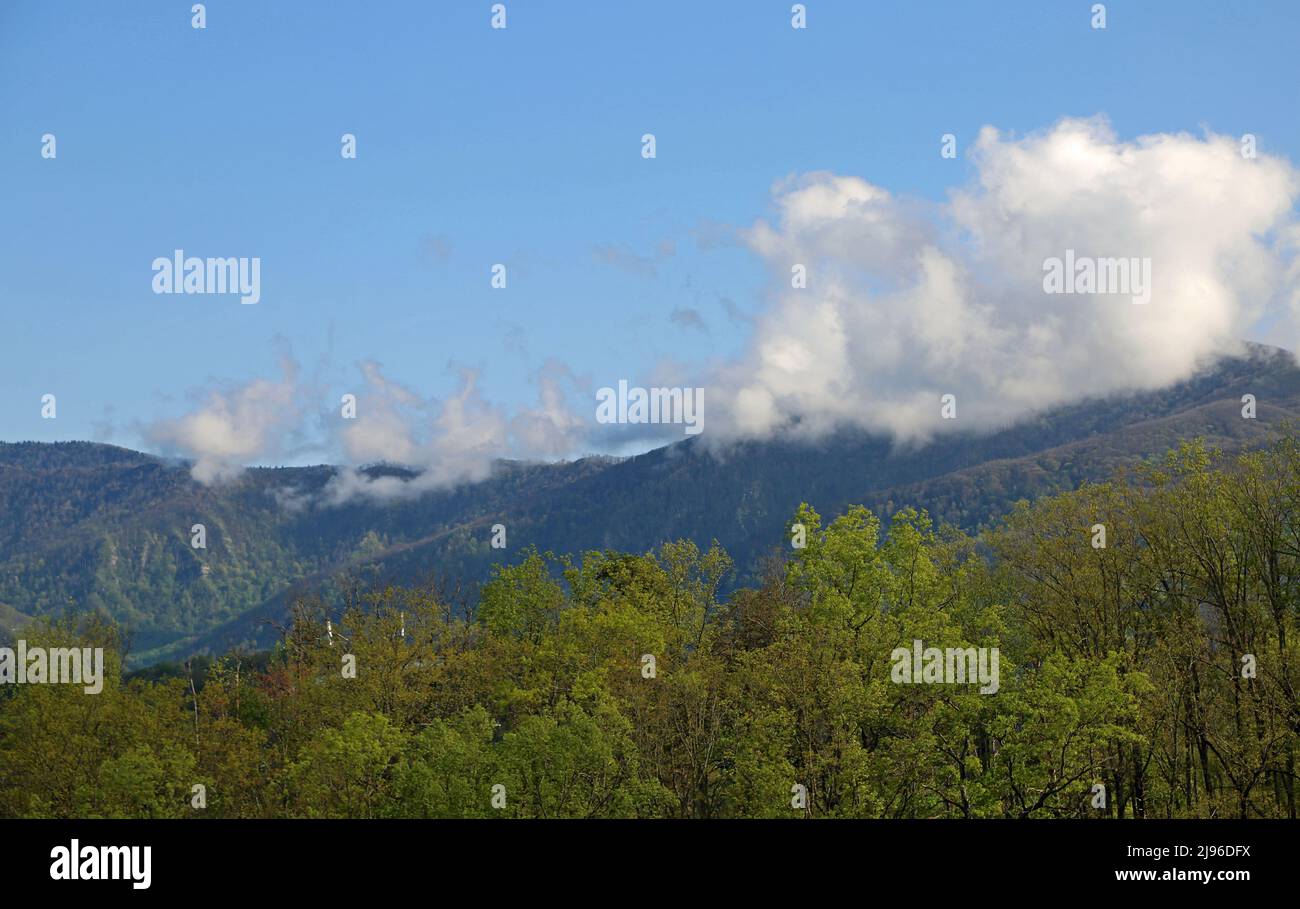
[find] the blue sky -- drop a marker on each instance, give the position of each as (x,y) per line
(520,146)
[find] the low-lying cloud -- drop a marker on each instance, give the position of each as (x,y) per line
(451,441)
(905,301)
(235,425)
(904,305)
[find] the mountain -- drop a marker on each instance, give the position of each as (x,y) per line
(85,526)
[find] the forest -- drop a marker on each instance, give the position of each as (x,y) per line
(1145,627)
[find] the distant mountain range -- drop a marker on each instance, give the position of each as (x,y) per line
(85,526)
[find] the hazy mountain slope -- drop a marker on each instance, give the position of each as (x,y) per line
(86,526)
(744,496)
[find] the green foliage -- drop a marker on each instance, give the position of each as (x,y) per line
(624,685)
(92,528)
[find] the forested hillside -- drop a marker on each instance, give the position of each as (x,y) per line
(91,528)
(1146,671)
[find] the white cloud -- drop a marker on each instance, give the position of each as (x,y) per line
(234,426)
(451,441)
(903,305)
(448,442)
(905,302)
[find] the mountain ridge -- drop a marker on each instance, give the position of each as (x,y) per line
(91,527)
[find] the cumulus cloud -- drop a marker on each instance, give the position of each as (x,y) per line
(552,428)
(450,441)
(904,304)
(443,441)
(234,425)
